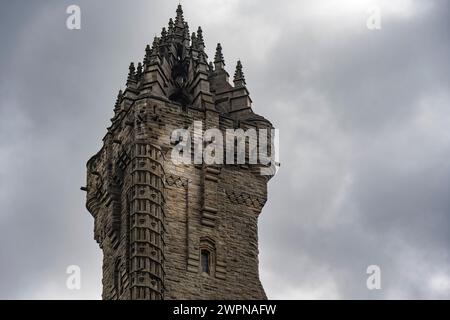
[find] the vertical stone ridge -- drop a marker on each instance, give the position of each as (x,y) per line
(147,223)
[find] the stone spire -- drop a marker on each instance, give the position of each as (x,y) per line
(186,35)
(154,51)
(139,72)
(148,53)
(194,41)
(239,79)
(219,61)
(131,74)
(163,34)
(200,40)
(118,101)
(171,26)
(179,20)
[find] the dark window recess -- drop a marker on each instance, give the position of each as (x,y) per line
(205,259)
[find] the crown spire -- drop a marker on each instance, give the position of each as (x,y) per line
(179,20)
(239,79)
(219,61)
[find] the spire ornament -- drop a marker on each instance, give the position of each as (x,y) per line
(219,61)
(139,72)
(131,72)
(179,20)
(164,34)
(200,40)
(171,26)
(239,79)
(148,53)
(194,41)
(118,101)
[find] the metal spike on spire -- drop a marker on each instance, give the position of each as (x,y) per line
(239,79)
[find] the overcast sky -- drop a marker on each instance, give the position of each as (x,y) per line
(364,119)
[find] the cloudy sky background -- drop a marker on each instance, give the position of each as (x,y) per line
(364,120)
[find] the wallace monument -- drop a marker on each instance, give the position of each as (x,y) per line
(173,230)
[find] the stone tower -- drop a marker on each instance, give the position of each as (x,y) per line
(167,231)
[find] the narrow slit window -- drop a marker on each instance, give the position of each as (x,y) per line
(205,259)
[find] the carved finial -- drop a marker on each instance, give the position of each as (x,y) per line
(239,79)
(139,71)
(170,26)
(163,34)
(219,61)
(155,43)
(179,20)
(211,66)
(118,101)
(194,40)
(186,31)
(155,48)
(219,54)
(201,41)
(148,53)
(132,72)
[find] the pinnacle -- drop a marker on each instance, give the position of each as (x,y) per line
(201,41)
(179,20)
(171,25)
(148,53)
(139,70)
(219,55)
(131,73)
(132,69)
(239,78)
